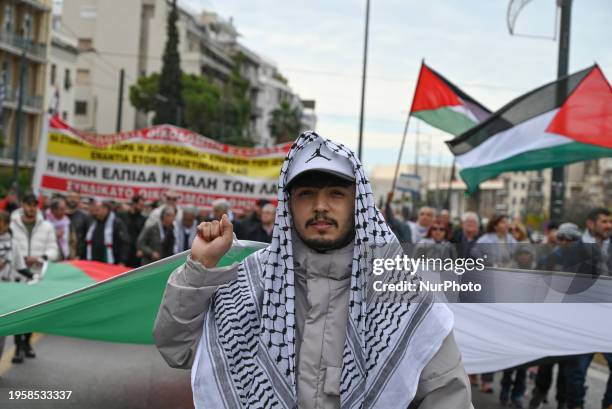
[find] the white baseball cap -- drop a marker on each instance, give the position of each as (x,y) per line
(316,156)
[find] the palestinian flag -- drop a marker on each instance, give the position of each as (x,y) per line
(92,300)
(566,121)
(443,105)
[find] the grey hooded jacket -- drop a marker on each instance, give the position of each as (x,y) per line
(322,284)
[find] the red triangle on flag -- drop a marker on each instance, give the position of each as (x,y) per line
(586,116)
(432,92)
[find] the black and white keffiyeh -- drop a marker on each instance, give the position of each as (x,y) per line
(246,356)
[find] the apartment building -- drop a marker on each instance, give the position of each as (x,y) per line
(62,74)
(134,40)
(24,48)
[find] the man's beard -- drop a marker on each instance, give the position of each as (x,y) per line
(323,244)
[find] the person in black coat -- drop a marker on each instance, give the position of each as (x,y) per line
(262,230)
(134,221)
(79,220)
(107,239)
(465,237)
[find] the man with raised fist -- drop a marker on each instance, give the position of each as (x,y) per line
(294,324)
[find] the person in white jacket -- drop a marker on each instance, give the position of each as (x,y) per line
(36,242)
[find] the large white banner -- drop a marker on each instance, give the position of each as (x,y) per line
(152,160)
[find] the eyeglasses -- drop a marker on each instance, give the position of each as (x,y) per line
(438,229)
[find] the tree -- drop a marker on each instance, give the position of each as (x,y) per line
(285,123)
(169,105)
(145,93)
(218,112)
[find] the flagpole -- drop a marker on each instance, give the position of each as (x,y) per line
(399,157)
(416,151)
(363,79)
(450,182)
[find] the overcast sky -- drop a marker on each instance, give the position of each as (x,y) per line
(318,46)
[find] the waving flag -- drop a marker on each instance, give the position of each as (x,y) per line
(443,105)
(94,300)
(98,301)
(565,121)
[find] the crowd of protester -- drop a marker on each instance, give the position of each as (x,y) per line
(34,230)
(507,243)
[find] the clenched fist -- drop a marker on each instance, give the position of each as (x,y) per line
(212,241)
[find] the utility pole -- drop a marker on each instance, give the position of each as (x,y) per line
(557,186)
(120,102)
(18,122)
(363,78)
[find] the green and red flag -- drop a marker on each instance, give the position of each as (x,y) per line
(92,300)
(565,121)
(443,105)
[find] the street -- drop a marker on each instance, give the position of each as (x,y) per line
(112,376)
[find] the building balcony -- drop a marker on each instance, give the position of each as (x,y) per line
(31,103)
(502,192)
(37,4)
(17,44)
(535,193)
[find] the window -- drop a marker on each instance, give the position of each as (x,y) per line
(53,74)
(8,18)
(67,80)
(514,185)
(513,201)
(64,115)
(83,76)
(85,44)
(7,74)
(80,107)
(522,200)
(522,186)
(88,12)
(26,27)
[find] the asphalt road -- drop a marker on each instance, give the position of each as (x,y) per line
(120,376)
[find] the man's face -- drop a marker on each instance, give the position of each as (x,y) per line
(59,211)
(73,200)
(445,217)
(426,216)
(29,210)
(602,227)
(470,226)
(551,236)
(323,216)
(268,213)
(168,219)
(139,206)
(100,211)
(188,219)
(171,199)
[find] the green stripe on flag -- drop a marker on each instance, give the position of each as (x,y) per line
(446,119)
(60,279)
(121,309)
(531,160)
